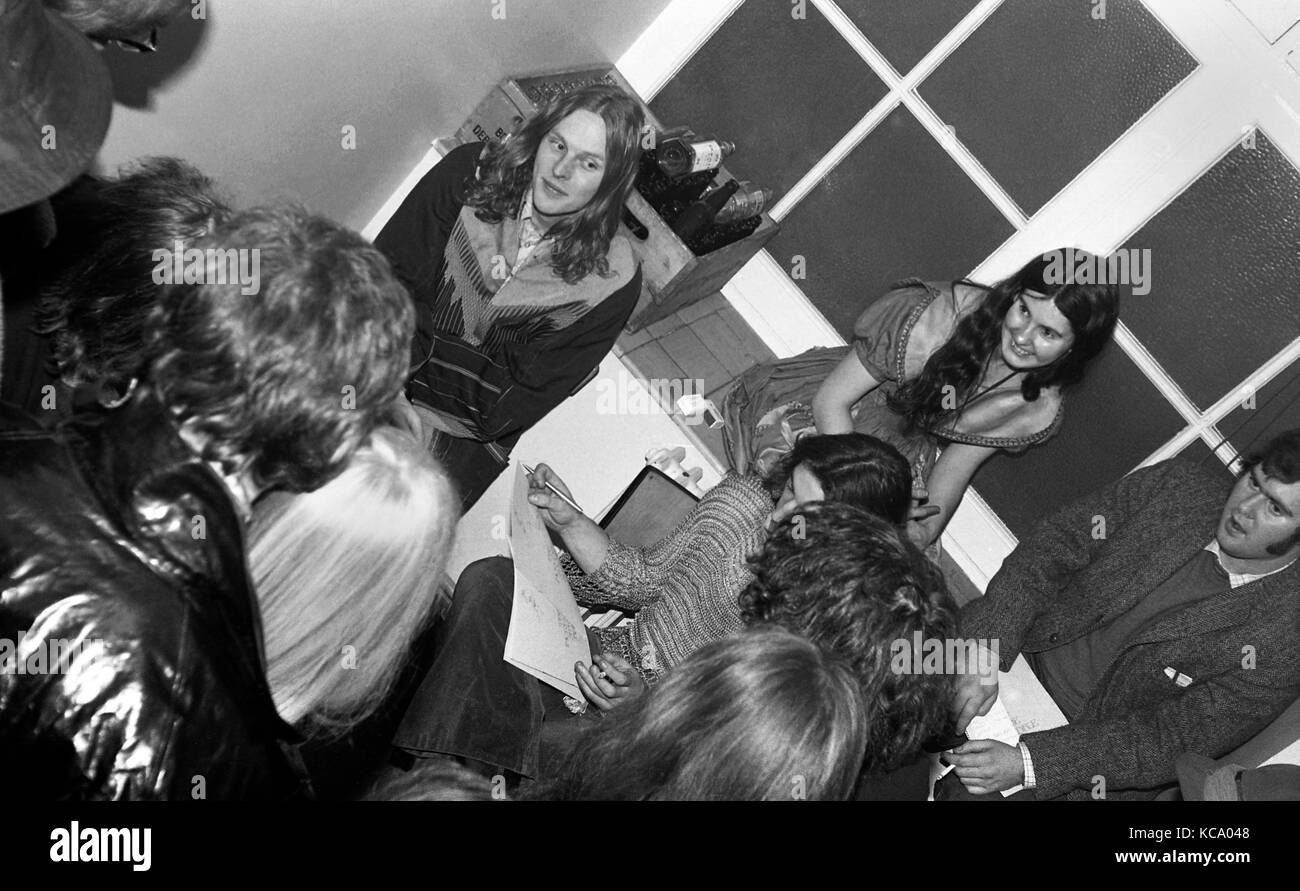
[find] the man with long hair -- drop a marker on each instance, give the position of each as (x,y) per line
(123,529)
(1160,614)
(520,280)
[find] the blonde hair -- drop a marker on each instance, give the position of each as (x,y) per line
(345,576)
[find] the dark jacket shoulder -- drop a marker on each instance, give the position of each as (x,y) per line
(114,534)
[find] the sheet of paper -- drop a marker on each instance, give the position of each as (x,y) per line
(546,635)
(1023,706)
(1027,702)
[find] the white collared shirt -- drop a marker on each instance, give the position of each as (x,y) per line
(1237,579)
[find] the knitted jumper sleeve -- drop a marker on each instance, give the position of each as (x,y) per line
(686,586)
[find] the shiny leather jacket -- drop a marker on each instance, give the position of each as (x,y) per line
(121,545)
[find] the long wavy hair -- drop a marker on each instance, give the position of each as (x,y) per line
(763,715)
(283,383)
(98,284)
(506,173)
(853,584)
(854,468)
(1091,309)
(345,577)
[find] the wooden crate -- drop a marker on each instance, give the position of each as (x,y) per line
(672,277)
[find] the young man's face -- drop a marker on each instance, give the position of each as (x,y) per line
(570,165)
(1262,513)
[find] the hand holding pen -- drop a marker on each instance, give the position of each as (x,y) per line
(549,493)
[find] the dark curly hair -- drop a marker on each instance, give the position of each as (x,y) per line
(98,283)
(1279,459)
(1091,309)
(854,468)
(506,173)
(284,382)
(853,584)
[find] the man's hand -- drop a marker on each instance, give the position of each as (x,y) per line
(556,512)
(610,682)
(986,765)
(973,694)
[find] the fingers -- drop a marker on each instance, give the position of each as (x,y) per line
(924,511)
(973,697)
(603,684)
(966,711)
(543,499)
(616,677)
(975,746)
(589,689)
(543,475)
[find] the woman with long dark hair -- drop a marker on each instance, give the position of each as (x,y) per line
(520,278)
(959,366)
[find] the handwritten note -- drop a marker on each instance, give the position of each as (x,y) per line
(546,635)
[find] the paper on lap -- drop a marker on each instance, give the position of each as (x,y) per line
(1023,706)
(546,634)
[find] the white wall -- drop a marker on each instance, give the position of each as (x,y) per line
(256,95)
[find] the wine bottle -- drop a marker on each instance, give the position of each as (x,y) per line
(748,201)
(680,155)
(702,212)
(692,186)
(719,236)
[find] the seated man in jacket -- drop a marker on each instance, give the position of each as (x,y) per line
(1161,614)
(140,669)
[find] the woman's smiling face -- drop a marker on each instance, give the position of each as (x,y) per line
(1034,332)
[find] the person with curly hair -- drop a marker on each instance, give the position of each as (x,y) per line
(520,279)
(854,585)
(684,589)
(124,529)
(95,284)
(949,373)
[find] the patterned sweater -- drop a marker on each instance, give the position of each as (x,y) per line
(686,586)
(494,355)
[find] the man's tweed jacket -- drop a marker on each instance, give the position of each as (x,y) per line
(1240,649)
